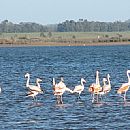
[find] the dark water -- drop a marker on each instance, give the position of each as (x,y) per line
(20,112)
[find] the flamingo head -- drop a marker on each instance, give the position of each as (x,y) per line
(83,80)
(62,79)
(39,80)
(97,72)
(128,71)
(104,79)
(27,75)
(108,75)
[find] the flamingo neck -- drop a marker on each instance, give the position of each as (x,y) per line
(38,84)
(82,83)
(104,83)
(109,83)
(54,83)
(97,79)
(128,77)
(28,79)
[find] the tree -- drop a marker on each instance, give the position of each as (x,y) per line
(49,34)
(42,34)
(74,37)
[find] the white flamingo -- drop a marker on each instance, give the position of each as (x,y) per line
(33,87)
(59,90)
(95,88)
(107,87)
(125,86)
(104,85)
(79,88)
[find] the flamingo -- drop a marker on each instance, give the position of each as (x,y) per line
(104,85)
(125,86)
(107,87)
(59,90)
(33,87)
(79,88)
(95,88)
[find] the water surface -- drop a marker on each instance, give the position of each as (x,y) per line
(20,112)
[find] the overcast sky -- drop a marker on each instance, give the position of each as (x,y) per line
(55,11)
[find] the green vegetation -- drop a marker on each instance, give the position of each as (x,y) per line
(91,26)
(65,33)
(66,26)
(64,37)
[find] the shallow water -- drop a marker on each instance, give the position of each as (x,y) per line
(20,112)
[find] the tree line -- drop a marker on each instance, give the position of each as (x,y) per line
(24,27)
(66,26)
(91,26)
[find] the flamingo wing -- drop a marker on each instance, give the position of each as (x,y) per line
(32,93)
(123,88)
(78,88)
(107,88)
(34,88)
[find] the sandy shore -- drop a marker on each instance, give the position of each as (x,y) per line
(66,44)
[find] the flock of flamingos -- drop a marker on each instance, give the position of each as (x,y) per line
(95,88)
(60,88)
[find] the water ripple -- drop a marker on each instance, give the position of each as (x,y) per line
(20,112)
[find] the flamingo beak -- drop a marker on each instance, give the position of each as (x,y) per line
(43,91)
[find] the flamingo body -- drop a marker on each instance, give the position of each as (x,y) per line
(107,87)
(79,88)
(59,89)
(95,88)
(34,90)
(125,87)
(33,87)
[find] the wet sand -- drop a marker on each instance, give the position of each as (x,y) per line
(65,44)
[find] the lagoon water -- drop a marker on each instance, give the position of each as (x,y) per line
(20,112)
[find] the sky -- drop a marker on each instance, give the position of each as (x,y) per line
(57,11)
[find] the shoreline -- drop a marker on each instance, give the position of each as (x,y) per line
(66,44)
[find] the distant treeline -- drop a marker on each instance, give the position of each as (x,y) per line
(86,26)
(25,27)
(67,26)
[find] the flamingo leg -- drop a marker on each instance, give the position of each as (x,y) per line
(97,98)
(100,97)
(58,99)
(93,98)
(125,97)
(61,101)
(79,96)
(35,98)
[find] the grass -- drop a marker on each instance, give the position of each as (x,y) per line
(64,37)
(67,35)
